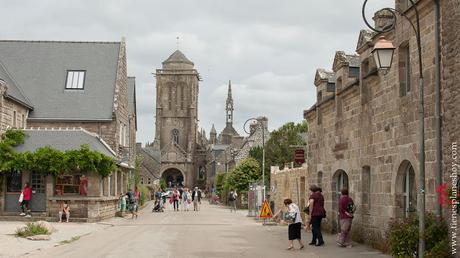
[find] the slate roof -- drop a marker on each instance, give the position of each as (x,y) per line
(39,68)
(353,60)
(63,139)
(13,91)
(177,57)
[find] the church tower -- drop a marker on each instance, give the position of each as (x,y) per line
(229,105)
(177,118)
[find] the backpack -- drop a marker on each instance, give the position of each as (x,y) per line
(351,208)
(132,198)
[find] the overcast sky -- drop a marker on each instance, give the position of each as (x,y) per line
(269,49)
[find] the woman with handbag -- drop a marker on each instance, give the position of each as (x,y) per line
(317,213)
(295,223)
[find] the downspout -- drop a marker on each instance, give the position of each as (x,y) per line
(437,108)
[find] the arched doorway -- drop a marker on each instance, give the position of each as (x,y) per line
(406,192)
(173,177)
(339,181)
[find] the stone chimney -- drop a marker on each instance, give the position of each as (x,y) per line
(383,19)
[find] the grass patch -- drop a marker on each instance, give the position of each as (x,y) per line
(32,229)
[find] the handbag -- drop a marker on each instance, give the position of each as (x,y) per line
(290,218)
(21,197)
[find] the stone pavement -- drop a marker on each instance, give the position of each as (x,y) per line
(211,232)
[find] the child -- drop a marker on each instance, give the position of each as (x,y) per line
(122,203)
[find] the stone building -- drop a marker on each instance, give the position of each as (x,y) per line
(150,166)
(363,129)
(72,93)
(176,133)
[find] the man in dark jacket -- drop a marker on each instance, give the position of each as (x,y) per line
(196,199)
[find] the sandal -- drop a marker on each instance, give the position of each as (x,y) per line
(301,247)
(290,248)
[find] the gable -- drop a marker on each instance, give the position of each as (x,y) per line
(365,37)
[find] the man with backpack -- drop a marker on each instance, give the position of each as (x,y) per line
(232,200)
(132,203)
(346,211)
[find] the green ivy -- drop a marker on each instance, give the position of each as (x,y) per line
(48,160)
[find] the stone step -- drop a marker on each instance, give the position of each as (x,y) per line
(37,218)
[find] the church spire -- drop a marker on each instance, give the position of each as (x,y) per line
(229,104)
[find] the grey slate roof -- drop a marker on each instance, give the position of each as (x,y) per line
(13,91)
(177,57)
(353,60)
(63,140)
(39,68)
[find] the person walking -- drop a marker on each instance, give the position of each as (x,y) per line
(196,199)
(185,199)
(176,198)
(346,210)
(137,195)
(25,203)
(132,203)
(232,196)
(317,213)
(295,223)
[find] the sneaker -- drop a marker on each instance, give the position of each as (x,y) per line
(28,216)
(22,214)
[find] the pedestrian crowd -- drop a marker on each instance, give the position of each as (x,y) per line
(315,213)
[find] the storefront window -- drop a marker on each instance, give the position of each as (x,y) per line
(13,182)
(68,184)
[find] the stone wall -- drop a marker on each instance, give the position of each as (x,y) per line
(289,183)
(368,136)
(10,110)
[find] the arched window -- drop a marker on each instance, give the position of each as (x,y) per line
(175,136)
(410,199)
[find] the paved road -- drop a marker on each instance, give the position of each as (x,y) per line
(210,232)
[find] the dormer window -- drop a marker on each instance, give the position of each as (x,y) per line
(330,87)
(75,80)
(353,71)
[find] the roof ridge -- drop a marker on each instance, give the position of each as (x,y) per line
(59,41)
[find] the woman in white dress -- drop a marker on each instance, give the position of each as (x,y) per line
(295,223)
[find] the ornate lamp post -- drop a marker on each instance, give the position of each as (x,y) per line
(383,54)
(263,151)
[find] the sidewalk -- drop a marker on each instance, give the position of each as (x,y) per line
(12,246)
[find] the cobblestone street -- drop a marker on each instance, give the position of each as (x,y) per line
(211,232)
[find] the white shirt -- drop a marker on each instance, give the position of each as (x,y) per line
(293,208)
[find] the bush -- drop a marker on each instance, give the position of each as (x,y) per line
(403,237)
(145,194)
(32,229)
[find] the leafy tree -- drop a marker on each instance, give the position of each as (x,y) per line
(278,150)
(49,161)
(163,184)
(244,174)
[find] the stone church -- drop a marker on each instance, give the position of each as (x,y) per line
(182,151)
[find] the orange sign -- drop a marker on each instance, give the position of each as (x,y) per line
(265,213)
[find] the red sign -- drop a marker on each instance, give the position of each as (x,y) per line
(299,156)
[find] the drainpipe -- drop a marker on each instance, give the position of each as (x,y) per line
(437,108)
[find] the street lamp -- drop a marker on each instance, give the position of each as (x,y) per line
(263,151)
(383,54)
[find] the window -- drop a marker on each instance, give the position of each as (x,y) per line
(410,200)
(14,118)
(120,140)
(23,121)
(13,182)
(142,180)
(330,87)
(366,186)
(75,80)
(175,136)
(338,100)
(182,96)
(149,181)
(320,179)
(126,135)
(353,71)
(320,96)
(404,70)
(170,96)
(68,184)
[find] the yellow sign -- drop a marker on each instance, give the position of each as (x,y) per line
(265,212)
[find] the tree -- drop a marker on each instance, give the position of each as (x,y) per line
(278,150)
(244,174)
